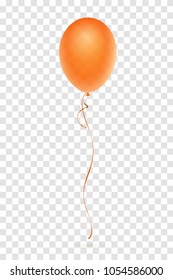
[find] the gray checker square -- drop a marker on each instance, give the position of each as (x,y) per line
(44,153)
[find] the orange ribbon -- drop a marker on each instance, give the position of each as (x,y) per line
(91,163)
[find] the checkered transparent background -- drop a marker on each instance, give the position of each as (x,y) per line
(44,153)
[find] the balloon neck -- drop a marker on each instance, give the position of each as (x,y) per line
(88,94)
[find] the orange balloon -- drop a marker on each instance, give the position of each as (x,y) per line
(87,53)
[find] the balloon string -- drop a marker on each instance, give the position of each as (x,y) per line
(91,163)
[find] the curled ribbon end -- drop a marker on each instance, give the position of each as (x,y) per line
(91,233)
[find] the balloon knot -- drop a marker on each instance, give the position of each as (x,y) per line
(88,94)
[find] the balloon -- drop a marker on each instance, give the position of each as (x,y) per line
(87,53)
